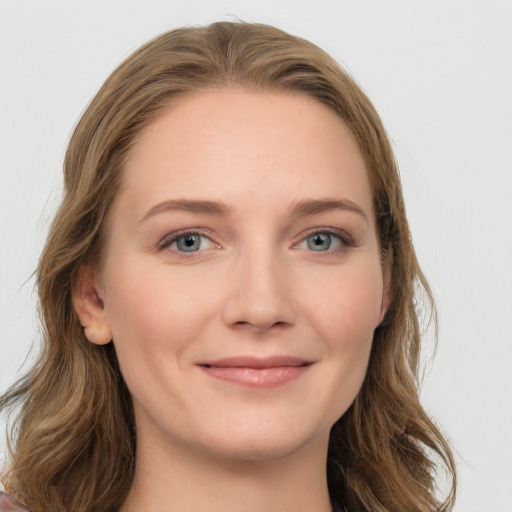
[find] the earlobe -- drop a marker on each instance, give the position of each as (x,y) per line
(89,306)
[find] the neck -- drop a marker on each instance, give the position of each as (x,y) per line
(175,479)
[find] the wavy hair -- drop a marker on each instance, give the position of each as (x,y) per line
(72,445)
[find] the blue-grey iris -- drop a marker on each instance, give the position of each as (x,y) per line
(189,243)
(319,242)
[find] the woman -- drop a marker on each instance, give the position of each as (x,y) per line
(230,296)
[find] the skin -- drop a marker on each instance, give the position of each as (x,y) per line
(255,286)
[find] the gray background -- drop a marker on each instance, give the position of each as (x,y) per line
(439,73)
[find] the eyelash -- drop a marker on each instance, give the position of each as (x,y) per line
(169,239)
(345,239)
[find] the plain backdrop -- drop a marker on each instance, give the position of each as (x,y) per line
(439,73)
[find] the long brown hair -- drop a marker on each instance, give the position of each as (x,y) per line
(73,444)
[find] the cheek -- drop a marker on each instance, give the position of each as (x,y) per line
(155,318)
(346,310)
(153,315)
(152,298)
(344,316)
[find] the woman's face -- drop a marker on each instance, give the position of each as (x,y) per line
(242,282)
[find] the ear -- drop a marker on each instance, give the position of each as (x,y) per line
(386,293)
(89,306)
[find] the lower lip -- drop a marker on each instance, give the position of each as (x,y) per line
(256,377)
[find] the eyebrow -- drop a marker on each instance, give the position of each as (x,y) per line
(190,205)
(316,206)
(298,209)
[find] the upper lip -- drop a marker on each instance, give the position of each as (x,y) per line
(256,362)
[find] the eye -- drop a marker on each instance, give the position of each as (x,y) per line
(323,241)
(190,243)
(186,242)
(319,242)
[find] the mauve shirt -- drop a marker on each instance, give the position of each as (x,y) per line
(9,504)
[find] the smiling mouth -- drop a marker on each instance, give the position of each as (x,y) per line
(251,371)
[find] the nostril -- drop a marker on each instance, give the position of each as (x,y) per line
(242,323)
(260,325)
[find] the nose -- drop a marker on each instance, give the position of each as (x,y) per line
(261,295)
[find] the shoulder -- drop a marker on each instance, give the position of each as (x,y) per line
(9,504)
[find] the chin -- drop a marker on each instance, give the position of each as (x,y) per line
(263,444)
(254,452)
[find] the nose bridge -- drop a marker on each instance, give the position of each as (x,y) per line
(260,294)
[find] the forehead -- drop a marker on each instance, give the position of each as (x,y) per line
(236,144)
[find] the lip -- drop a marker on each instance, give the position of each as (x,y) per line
(260,372)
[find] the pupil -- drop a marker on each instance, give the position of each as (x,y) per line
(189,243)
(319,242)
